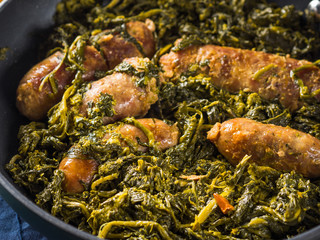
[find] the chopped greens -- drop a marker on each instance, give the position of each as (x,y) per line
(181,193)
(3,53)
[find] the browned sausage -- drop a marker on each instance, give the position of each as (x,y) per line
(143,32)
(78,172)
(130,99)
(165,136)
(115,48)
(233,69)
(282,148)
(34,102)
(93,62)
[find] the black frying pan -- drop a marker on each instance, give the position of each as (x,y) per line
(24,24)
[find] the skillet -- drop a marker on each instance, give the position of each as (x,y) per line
(24,25)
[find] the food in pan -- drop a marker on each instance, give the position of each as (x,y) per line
(182,120)
(43,86)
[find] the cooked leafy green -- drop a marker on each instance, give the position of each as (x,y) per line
(169,195)
(3,53)
(237,23)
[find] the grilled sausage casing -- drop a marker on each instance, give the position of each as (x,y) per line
(77,173)
(165,136)
(33,102)
(130,99)
(282,148)
(115,48)
(234,69)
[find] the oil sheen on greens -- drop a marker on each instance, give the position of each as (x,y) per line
(143,195)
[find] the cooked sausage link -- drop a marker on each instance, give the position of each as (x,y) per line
(93,62)
(130,100)
(78,172)
(143,33)
(35,103)
(282,148)
(238,69)
(165,136)
(115,48)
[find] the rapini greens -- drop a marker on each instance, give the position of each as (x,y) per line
(169,195)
